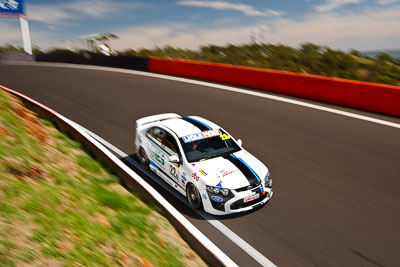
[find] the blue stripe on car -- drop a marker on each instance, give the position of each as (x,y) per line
(252,171)
(153,164)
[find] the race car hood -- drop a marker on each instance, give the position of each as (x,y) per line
(232,171)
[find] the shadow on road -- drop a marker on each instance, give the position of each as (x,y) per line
(133,163)
(175,199)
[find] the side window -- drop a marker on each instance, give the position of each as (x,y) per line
(170,144)
(156,134)
(162,137)
(150,133)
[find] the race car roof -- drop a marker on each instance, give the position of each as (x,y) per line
(189,125)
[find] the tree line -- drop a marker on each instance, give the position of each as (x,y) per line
(308,58)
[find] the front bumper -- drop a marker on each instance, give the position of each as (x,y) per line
(237,203)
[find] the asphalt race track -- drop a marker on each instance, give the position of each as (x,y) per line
(336,179)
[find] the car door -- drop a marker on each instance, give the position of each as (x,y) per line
(157,154)
(171,148)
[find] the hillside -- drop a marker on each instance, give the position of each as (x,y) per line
(60,207)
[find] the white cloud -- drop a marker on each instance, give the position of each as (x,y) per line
(46,40)
(99,8)
(369,29)
(224,5)
(47,14)
(185,37)
(10,33)
(386,2)
(58,13)
(330,5)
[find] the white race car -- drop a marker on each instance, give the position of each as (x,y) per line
(203,162)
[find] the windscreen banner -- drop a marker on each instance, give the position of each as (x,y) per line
(11,8)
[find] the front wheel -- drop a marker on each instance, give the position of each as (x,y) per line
(193,195)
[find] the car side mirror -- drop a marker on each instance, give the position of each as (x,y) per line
(173,159)
(240,142)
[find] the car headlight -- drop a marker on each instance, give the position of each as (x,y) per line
(268,180)
(218,190)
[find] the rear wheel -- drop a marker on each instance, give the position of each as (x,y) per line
(193,195)
(144,160)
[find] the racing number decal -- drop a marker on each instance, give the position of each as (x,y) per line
(195,177)
(224,137)
(173,171)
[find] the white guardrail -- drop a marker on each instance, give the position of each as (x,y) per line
(209,252)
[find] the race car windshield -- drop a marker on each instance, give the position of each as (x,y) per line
(202,148)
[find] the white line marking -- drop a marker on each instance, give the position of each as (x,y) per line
(217,224)
(221,87)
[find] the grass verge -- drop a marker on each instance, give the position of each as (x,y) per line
(60,207)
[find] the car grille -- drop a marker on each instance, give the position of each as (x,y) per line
(248,187)
(240,204)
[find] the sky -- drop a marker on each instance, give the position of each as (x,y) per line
(339,24)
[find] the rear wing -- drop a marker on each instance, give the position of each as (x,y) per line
(154,118)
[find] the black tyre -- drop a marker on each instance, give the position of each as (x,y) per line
(193,196)
(144,160)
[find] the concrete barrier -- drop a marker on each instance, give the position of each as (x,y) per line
(16,57)
(360,95)
(123,62)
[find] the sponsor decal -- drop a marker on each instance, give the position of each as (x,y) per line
(224,137)
(202,135)
(192,137)
(183,179)
(193,164)
(159,158)
(216,199)
(203,172)
(9,4)
(219,185)
(250,198)
(211,133)
(228,172)
(204,196)
(12,7)
(153,164)
(195,177)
